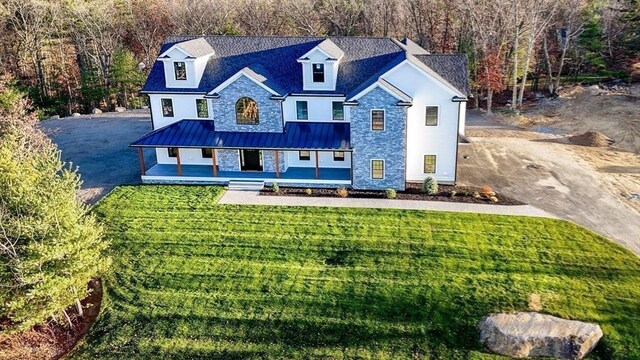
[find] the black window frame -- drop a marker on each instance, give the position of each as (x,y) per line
(305,109)
(207,153)
(375,122)
(317,75)
(206,108)
(167,110)
(306,157)
(172,152)
(373,168)
(338,158)
(424,164)
(428,116)
(340,110)
(177,69)
(240,118)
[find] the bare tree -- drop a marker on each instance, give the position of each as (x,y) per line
(203,17)
(260,17)
(304,17)
(342,17)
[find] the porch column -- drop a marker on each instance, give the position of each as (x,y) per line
(214,162)
(277,163)
(317,168)
(143,170)
(179,164)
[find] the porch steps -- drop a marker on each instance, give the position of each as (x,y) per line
(246,185)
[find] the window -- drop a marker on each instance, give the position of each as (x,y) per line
(202,108)
(207,153)
(429,164)
(377,120)
(173,152)
(377,169)
(431,117)
(246,111)
(180,70)
(338,110)
(318,72)
(304,155)
(167,107)
(338,156)
(302,110)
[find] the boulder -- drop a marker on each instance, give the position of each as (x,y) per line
(595,90)
(75,115)
(531,334)
(121,109)
(96,111)
(54,117)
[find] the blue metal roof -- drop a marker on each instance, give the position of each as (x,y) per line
(297,135)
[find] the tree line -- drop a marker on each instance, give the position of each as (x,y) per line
(74,55)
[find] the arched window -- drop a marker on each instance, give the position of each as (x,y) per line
(246,111)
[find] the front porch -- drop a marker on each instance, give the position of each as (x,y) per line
(202,174)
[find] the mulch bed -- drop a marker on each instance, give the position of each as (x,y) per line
(53,340)
(464,194)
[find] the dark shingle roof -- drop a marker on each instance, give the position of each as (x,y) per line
(364,57)
(452,67)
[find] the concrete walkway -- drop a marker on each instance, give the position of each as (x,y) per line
(253,198)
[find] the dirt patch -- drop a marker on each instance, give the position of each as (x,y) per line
(448,193)
(591,138)
(53,340)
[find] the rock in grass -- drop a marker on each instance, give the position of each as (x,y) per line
(96,111)
(531,334)
(121,109)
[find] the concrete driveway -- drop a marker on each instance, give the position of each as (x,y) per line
(541,170)
(99,146)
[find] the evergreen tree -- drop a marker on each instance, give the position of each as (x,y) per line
(49,247)
(125,76)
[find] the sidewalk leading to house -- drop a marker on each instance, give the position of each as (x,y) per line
(253,198)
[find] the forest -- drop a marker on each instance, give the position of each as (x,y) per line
(76,55)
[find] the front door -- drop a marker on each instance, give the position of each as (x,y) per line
(251,160)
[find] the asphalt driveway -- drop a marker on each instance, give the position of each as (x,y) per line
(99,146)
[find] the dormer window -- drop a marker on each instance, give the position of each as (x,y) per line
(180,70)
(318,72)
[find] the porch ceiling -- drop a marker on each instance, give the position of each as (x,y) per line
(299,135)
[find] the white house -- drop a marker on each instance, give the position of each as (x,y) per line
(365,113)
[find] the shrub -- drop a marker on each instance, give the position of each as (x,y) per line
(308,191)
(275,188)
(430,186)
(390,193)
(486,191)
(342,192)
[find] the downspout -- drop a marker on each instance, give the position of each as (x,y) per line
(153,127)
(460,101)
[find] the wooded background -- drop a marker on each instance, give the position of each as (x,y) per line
(73,55)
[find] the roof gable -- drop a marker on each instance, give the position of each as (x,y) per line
(327,47)
(195,48)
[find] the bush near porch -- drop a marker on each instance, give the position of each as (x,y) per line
(193,279)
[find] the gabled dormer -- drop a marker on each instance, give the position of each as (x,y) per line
(320,66)
(184,63)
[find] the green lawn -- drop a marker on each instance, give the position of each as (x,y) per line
(194,279)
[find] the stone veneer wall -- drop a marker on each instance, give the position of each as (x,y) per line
(228,160)
(389,144)
(224,108)
(269,161)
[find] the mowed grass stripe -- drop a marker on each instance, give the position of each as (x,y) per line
(194,279)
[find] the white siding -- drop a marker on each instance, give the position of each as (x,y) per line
(463,117)
(187,157)
(325,160)
(330,72)
(320,108)
(195,70)
(423,140)
(184,107)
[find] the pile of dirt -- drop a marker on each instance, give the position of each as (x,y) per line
(591,138)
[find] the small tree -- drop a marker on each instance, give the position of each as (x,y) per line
(49,247)
(430,186)
(125,76)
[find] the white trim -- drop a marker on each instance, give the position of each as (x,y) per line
(173,109)
(384,120)
(302,59)
(195,102)
(437,118)
(384,170)
(176,46)
(433,174)
(235,77)
(371,88)
(225,180)
(307,106)
(420,66)
(186,76)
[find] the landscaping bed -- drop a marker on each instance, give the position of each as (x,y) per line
(461,194)
(195,279)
